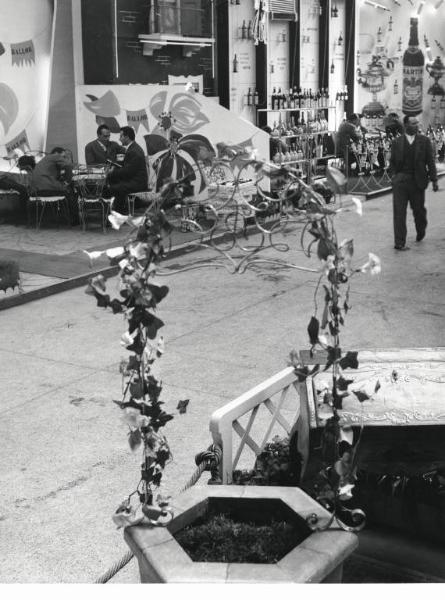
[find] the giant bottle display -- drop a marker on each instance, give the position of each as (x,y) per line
(413,71)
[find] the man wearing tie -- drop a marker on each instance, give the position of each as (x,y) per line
(412,165)
(132,176)
(102,149)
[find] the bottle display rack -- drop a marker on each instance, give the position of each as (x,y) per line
(299,138)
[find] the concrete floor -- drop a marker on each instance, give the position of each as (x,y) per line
(65,463)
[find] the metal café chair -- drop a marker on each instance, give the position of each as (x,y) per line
(57,204)
(147,196)
(89,183)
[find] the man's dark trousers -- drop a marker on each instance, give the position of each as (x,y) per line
(406,191)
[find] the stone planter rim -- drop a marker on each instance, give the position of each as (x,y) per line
(311,561)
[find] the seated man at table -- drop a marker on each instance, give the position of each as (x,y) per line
(52,177)
(17,179)
(102,149)
(132,176)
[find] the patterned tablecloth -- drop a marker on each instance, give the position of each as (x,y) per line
(406,387)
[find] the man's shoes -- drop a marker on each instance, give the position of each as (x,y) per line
(401,247)
(420,236)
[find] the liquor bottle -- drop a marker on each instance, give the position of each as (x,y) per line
(273,99)
(256,98)
(249,30)
(249,98)
(413,66)
(243,31)
(286,99)
(235,64)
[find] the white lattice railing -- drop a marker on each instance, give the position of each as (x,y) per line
(277,406)
(411,384)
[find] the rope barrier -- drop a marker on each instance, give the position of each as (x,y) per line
(208,460)
(120,564)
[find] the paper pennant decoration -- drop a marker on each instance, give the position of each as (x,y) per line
(20,141)
(23,53)
(9,106)
(135,118)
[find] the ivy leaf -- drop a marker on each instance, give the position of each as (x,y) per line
(159,291)
(342,383)
(345,306)
(182,406)
(377,386)
(137,346)
(156,480)
(133,363)
(121,405)
(323,249)
(116,306)
(152,328)
(163,418)
(333,355)
(134,438)
(349,361)
(313,330)
(361,396)
(137,389)
(332,328)
(103,300)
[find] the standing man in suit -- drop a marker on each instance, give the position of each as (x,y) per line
(132,176)
(102,149)
(412,165)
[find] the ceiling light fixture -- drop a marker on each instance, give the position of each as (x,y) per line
(377,5)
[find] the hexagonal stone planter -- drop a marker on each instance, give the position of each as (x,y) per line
(318,557)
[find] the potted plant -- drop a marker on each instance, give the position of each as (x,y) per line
(234,534)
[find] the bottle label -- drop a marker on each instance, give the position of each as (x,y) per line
(412,89)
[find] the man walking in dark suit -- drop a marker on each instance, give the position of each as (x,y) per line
(412,166)
(102,149)
(132,176)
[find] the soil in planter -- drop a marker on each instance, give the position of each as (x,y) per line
(220,538)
